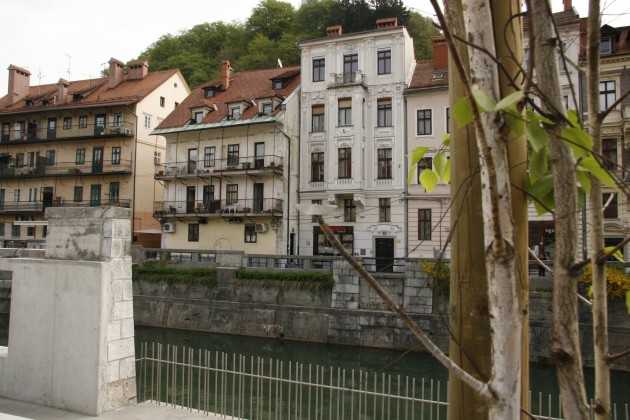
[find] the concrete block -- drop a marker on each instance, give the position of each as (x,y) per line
(112,373)
(117,290)
(128,368)
(120,349)
(127,330)
(127,290)
(121,229)
(114,330)
(123,310)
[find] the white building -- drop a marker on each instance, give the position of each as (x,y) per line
(352,139)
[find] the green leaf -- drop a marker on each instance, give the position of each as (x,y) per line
(446,140)
(536,136)
(574,118)
(485,102)
(628,301)
(616,255)
(534,116)
(417,154)
(579,141)
(462,113)
(541,192)
(428,179)
(439,163)
(538,163)
(515,121)
(510,100)
(545,205)
(446,177)
(594,168)
(583,179)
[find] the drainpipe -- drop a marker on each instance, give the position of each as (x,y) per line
(135,174)
(405,171)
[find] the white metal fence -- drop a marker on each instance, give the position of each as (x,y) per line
(243,387)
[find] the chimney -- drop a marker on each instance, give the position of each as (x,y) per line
(440,52)
(226,73)
(62,91)
(567,5)
(19,84)
(386,23)
(333,30)
(116,72)
(137,69)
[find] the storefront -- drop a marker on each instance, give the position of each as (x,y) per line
(321,245)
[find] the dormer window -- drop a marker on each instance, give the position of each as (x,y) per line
(197,116)
(277,84)
(46,102)
(606,45)
(438,76)
(235,112)
(209,93)
(77,96)
(267,108)
(30,102)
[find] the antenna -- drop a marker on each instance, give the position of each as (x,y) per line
(69,57)
(40,75)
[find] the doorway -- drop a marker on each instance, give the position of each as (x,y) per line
(384,254)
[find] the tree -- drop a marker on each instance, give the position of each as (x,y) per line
(421,29)
(271,18)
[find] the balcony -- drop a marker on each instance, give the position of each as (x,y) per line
(93,203)
(65,169)
(267,207)
(33,135)
(270,164)
(21,207)
(38,207)
(348,79)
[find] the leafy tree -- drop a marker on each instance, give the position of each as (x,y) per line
(312,19)
(421,29)
(271,19)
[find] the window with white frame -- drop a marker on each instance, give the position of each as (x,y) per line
(67,123)
(267,108)
(116,155)
(16,194)
(384,210)
(345,112)
(209,156)
(424,224)
(235,112)
(319,70)
(317,118)
(385,61)
(317,167)
(344,155)
(424,123)
(384,112)
(606,45)
(157,157)
(147,121)
(349,210)
(384,170)
(80,156)
(32,194)
(83,121)
(607,94)
(251,236)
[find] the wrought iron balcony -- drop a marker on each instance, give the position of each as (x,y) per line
(207,167)
(265,207)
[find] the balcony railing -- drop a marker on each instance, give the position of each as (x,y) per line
(39,206)
(40,134)
(345,79)
(66,168)
(219,208)
(208,167)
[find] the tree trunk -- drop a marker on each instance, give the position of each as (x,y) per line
(469,346)
(566,345)
(596,225)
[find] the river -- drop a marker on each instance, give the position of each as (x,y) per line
(413,364)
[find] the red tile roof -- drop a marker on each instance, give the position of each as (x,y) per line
(95,92)
(246,86)
(426,77)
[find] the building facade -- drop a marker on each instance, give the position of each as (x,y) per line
(428,120)
(82,143)
(352,139)
(230,173)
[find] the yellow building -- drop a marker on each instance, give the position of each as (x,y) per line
(82,143)
(231,168)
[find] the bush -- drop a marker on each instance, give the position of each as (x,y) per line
(617,281)
(311,281)
(440,273)
(168,274)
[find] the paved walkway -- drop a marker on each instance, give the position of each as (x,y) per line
(16,410)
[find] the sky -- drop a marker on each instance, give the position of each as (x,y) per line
(53,37)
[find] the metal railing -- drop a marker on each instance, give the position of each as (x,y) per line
(257,388)
(207,166)
(70,132)
(250,207)
(66,168)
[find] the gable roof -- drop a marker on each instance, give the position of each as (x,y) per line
(94,92)
(246,87)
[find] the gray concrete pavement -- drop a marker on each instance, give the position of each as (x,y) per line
(16,410)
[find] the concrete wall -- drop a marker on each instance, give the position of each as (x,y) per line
(349,314)
(71,331)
